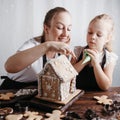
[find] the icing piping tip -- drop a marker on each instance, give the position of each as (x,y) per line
(87,58)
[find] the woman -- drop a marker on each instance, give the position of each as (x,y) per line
(33,54)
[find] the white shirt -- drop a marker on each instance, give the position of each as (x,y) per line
(110,56)
(30,73)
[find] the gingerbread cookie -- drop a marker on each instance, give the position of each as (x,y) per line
(118,116)
(32,115)
(13,117)
(55,115)
(6,96)
(103,100)
(25,92)
(6,110)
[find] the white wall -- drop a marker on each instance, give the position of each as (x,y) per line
(16,26)
(22,19)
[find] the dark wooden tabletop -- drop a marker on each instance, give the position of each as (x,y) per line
(87,101)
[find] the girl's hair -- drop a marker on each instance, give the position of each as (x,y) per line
(108,20)
(48,17)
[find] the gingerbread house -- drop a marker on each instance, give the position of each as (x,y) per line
(57,79)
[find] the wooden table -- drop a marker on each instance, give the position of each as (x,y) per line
(87,102)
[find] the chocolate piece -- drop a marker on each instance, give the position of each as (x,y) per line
(89,114)
(70,115)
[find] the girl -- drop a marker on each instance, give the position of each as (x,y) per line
(96,73)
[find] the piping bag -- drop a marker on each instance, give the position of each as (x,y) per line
(87,58)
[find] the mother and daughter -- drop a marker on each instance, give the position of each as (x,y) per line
(30,58)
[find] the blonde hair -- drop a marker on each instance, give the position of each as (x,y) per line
(108,20)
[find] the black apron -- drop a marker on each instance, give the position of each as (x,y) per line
(86,79)
(12,84)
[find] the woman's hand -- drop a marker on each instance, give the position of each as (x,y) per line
(61,48)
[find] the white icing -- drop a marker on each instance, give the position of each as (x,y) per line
(64,73)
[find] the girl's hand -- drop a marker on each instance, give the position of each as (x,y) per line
(73,60)
(95,57)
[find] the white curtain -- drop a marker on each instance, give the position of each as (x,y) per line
(23,19)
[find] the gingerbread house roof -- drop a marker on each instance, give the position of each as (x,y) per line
(62,68)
